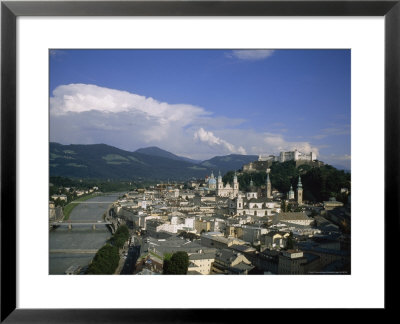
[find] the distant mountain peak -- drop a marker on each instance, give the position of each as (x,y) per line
(151,148)
(156,151)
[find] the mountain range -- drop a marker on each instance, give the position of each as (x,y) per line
(101,161)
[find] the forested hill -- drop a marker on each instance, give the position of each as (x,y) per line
(228,162)
(101,161)
(319,183)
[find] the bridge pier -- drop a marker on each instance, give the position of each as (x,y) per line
(88,223)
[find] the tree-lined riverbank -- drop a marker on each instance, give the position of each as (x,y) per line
(80,237)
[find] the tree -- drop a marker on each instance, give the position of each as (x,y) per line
(59,202)
(120,236)
(123,230)
(105,261)
(178,264)
(167,256)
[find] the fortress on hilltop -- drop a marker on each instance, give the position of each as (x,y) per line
(265,161)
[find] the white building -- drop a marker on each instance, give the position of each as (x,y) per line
(227,190)
(291,193)
(201,262)
(61,197)
(189,222)
(299,218)
(251,205)
(271,158)
(170,228)
(288,156)
(296,156)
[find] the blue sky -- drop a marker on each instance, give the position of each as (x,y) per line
(202,103)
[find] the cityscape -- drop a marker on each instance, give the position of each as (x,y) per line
(199,162)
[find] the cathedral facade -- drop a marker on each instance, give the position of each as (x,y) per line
(252,205)
(228,190)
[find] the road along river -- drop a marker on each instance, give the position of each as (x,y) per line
(79,245)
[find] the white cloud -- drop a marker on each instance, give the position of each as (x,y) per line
(212,140)
(251,55)
(265,142)
(86,97)
(276,143)
(89,114)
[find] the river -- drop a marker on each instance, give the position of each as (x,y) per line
(80,237)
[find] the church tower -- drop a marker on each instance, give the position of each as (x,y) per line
(235,185)
(299,192)
(220,184)
(268,185)
(239,205)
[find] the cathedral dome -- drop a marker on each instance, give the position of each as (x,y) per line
(212,181)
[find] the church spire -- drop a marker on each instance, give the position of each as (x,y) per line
(268,184)
(299,192)
(299,185)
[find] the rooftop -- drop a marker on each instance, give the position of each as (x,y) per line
(202,256)
(242,248)
(292,216)
(273,233)
(243,266)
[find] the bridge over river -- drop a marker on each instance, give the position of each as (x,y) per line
(80,223)
(78,246)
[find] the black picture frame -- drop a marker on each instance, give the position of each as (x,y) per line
(10,10)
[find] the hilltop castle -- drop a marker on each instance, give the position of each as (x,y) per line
(265,161)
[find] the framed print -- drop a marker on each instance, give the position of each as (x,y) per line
(148,60)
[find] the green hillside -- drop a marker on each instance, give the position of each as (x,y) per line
(100,161)
(319,183)
(228,162)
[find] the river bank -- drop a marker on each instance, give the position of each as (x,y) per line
(81,239)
